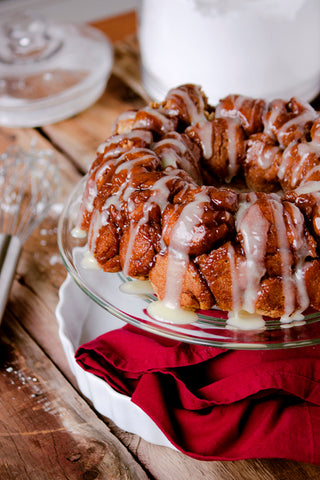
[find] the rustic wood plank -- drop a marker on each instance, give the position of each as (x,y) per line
(80,136)
(118,27)
(25,138)
(127,66)
(40,272)
(173,464)
(123,31)
(46,430)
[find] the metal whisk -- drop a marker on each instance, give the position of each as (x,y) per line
(29,184)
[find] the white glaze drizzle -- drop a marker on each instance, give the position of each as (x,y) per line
(205,133)
(242,320)
(91,192)
(129,164)
(232,126)
(310,186)
(133,231)
(77,232)
(301,249)
(292,282)
(235,284)
(113,142)
(97,221)
(128,115)
(100,219)
(173,152)
(301,152)
(268,125)
(178,258)
(239,275)
(304,153)
(285,161)
(120,162)
(116,155)
(162,312)
(137,287)
(307,115)
(310,173)
(195,113)
(266,156)
(159,196)
(165,122)
(254,229)
(174,140)
(245,280)
(285,255)
(238,101)
(169,158)
(89,262)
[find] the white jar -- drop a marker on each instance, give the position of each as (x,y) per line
(260,48)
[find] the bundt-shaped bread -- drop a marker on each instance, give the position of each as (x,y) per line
(217,206)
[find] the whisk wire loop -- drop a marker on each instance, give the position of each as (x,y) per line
(29,185)
(13,192)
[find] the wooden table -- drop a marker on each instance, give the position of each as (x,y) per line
(47,429)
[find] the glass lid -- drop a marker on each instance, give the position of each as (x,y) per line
(49,71)
(210,328)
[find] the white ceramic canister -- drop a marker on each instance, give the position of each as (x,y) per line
(260,48)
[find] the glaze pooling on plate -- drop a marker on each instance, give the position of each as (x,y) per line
(211,326)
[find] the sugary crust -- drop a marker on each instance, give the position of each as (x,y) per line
(195,293)
(226,141)
(248,111)
(261,163)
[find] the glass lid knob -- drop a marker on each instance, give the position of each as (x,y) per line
(25,38)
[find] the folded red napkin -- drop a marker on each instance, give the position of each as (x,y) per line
(216,404)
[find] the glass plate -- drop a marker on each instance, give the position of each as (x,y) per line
(210,329)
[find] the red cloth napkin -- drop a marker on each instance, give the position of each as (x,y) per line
(215,404)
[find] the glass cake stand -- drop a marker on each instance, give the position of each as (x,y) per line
(211,327)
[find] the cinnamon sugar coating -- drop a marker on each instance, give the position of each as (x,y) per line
(228,196)
(222,143)
(248,111)
(289,121)
(195,292)
(261,163)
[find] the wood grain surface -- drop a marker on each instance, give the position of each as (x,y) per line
(47,429)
